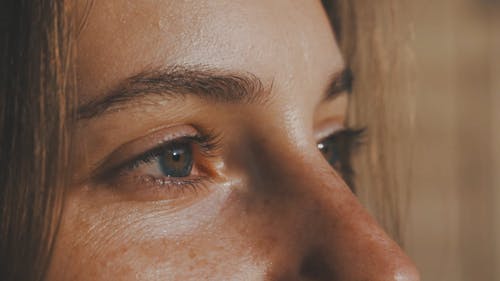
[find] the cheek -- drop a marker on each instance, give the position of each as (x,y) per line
(125,242)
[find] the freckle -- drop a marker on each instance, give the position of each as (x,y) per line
(192,254)
(161,24)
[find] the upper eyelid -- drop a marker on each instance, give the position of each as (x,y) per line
(201,140)
(150,154)
(129,151)
(328,127)
(353,135)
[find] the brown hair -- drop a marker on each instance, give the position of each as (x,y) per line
(375,39)
(35,96)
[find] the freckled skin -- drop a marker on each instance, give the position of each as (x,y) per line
(280,212)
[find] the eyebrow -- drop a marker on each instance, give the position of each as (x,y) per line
(202,82)
(340,82)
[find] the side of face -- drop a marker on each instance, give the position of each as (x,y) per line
(197,151)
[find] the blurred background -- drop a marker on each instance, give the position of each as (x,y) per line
(454,215)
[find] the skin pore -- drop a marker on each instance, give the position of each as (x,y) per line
(246,88)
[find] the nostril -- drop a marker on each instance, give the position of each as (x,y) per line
(315,267)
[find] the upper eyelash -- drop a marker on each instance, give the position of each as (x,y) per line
(209,143)
(354,136)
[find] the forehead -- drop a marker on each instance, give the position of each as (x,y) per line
(280,40)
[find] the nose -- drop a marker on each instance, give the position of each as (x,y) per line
(339,239)
(347,244)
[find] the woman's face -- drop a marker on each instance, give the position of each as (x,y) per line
(205,149)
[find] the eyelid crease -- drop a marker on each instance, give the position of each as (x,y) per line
(328,127)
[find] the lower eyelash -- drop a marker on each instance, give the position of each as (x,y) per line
(150,188)
(170,181)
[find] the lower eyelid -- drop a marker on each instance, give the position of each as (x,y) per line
(148,188)
(146,182)
(149,172)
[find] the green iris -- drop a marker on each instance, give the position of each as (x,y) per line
(176,160)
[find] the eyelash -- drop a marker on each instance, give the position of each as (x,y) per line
(208,143)
(207,146)
(350,140)
(120,177)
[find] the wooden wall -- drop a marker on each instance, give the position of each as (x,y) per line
(453,230)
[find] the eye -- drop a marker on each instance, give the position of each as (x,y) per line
(169,170)
(337,150)
(176,160)
(331,151)
(186,158)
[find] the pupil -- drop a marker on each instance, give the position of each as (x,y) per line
(176,156)
(176,160)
